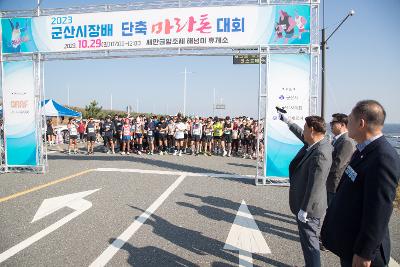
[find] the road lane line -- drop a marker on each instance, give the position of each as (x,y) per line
(112,249)
(195,174)
(36,188)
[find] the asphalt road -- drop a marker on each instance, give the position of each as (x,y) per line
(147,211)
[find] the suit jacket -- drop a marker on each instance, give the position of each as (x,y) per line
(343,149)
(307,173)
(357,219)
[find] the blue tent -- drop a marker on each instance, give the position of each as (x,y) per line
(53,109)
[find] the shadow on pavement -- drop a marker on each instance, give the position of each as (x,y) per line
(152,256)
(242,165)
(197,243)
(226,203)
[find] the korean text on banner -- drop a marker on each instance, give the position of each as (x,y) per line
(229,26)
(289,88)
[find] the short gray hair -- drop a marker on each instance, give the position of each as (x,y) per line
(371,111)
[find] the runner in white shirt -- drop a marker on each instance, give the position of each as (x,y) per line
(180,128)
(139,129)
(73,135)
(171,133)
(197,131)
(208,137)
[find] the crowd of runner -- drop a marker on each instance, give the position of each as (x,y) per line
(174,135)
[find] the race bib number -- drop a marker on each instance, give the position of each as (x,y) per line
(73,131)
(196,131)
(90,130)
(149,132)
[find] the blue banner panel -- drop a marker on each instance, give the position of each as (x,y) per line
(19,114)
(289,88)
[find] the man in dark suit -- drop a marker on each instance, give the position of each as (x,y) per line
(356,224)
(308,172)
(343,149)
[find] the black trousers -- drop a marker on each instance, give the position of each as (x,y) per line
(309,241)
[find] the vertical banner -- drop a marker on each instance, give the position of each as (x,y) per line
(289,87)
(19,113)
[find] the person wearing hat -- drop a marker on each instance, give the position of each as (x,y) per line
(208,137)
(109,130)
(118,132)
(91,135)
(73,135)
(162,128)
(227,137)
(150,128)
(196,133)
(126,136)
(217,132)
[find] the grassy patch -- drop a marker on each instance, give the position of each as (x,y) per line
(397,201)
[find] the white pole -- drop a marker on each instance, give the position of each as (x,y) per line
(38,8)
(68,95)
(214,104)
(111,107)
(184,94)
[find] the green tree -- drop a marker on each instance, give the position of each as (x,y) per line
(92,110)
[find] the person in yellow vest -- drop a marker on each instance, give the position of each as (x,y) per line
(217,132)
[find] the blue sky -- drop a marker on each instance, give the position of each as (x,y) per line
(362,63)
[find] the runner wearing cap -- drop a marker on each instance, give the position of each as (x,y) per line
(73,135)
(196,133)
(208,137)
(162,129)
(126,136)
(247,139)
(91,135)
(217,135)
(171,137)
(139,130)
(150,128)
(118,131)
(109,130)
(180,128)
(227,137)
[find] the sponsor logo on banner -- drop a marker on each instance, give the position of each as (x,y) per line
(289,86)
(19,114)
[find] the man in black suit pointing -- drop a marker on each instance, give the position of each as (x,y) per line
(356,224)
(307,173)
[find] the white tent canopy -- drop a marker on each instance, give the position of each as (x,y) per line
(53,109)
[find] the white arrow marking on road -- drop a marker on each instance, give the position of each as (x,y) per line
(73,201)
(246,237)
(393,263)
(51,205)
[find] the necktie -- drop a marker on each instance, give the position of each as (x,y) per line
(333,140)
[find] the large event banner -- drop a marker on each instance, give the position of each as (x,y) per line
(19,113)
(289,87)
(234,26)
